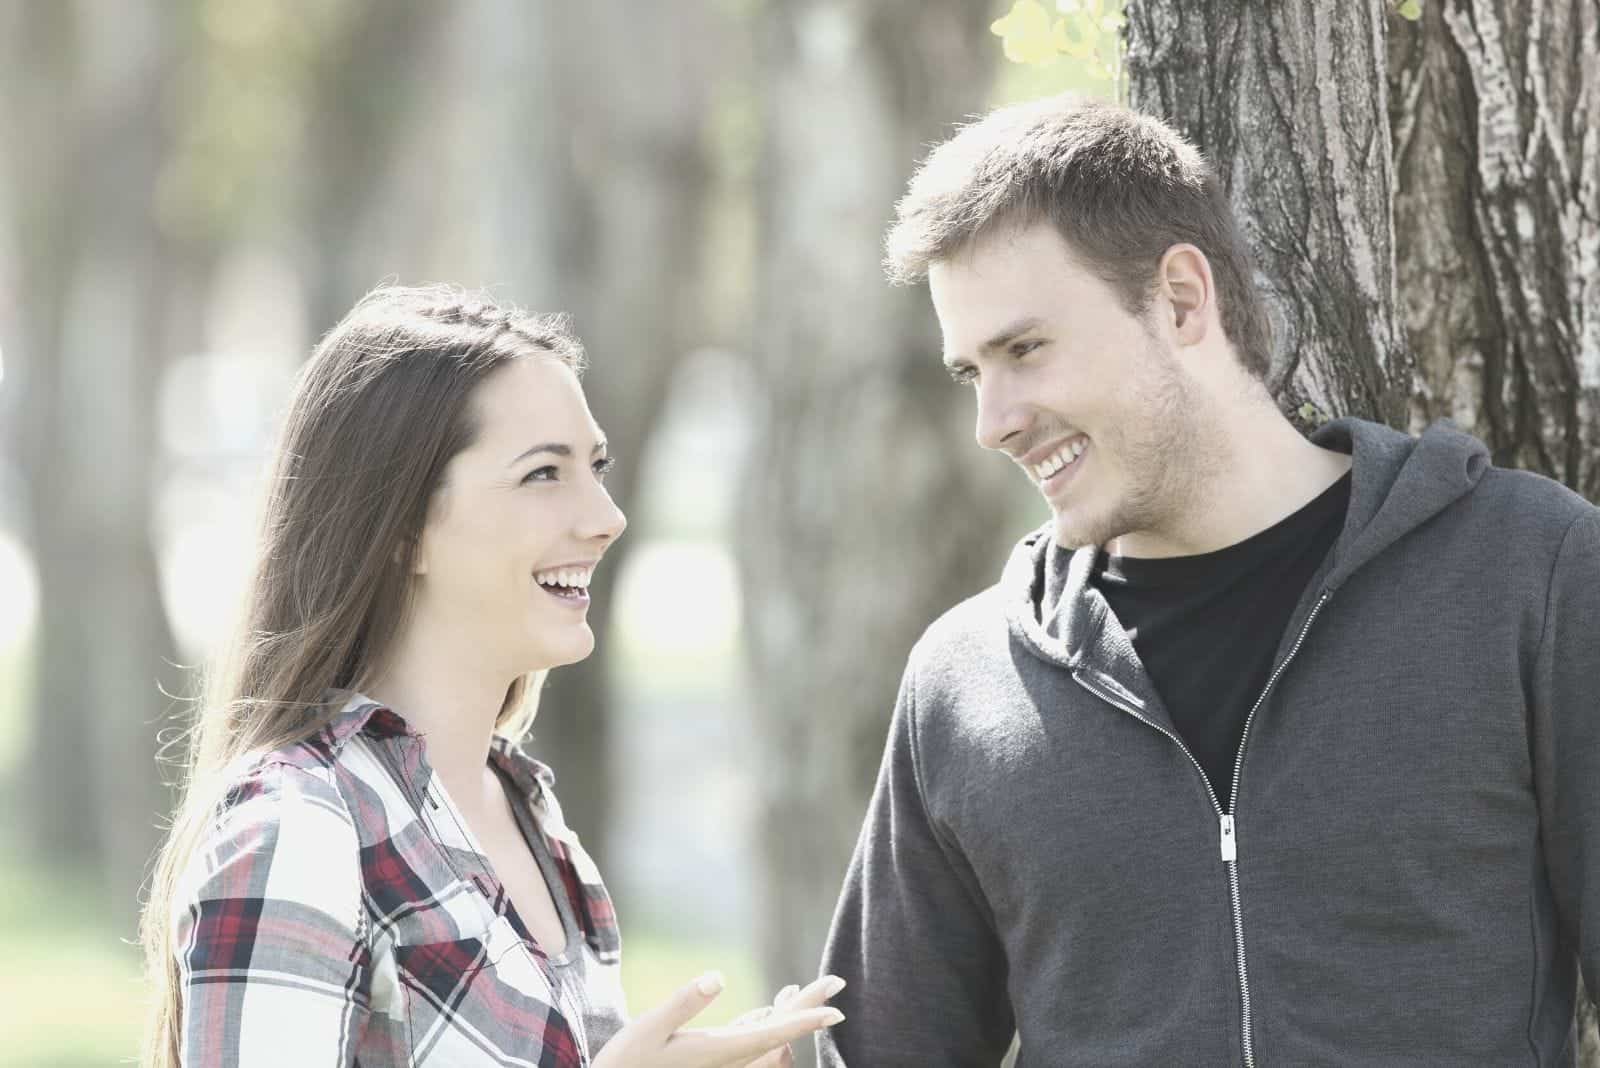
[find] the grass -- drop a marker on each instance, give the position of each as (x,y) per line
(71,990)
(71,993)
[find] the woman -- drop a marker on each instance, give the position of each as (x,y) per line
(365,868)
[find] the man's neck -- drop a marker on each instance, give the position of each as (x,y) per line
(1265,472)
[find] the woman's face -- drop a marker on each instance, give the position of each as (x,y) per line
(519,523)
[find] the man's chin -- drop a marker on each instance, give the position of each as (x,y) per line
(1068,533)
(1076,531)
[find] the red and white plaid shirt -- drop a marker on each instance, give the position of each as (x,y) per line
(341,913)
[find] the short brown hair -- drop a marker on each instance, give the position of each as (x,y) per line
(1120,187)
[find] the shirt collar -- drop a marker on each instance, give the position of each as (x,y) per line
(360,714)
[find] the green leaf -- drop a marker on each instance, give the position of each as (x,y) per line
(1410,9)
(1311,414)
(1026,31)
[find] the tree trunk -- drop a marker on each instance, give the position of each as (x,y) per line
(93,327)
(1496,116)
(1457,160)
(865,514)
(1495,109)
(627,174)
(363,90)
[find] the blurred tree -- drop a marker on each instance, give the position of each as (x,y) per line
(1415,179)
(866,510)
(625,153)
(84,89)
(361,95)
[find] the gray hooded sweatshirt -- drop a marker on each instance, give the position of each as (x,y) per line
(1407,870)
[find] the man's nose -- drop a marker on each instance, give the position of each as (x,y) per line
(1002,414)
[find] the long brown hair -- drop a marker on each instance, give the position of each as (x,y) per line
(376,414)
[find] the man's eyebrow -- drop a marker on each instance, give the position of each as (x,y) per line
(558,449)
(1000,340)
(1011,333)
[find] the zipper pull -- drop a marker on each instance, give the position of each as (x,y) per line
(1230,846)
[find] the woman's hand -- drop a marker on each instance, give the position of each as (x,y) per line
(789,999)
(661,1039)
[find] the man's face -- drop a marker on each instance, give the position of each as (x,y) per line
(1089,400)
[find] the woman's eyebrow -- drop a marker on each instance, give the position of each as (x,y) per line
(558,449)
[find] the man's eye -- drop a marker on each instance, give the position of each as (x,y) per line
(1022,348)
(546,473)
(603,466)
(963,376)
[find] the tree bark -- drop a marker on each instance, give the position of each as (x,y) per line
(1495,110)
(1288,103)
(865,513)
(1496,114)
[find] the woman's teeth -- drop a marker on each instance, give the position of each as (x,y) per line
(1064,456)
(573,578)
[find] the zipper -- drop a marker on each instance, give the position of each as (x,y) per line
(1227,829)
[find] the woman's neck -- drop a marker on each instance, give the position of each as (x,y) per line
(450,695)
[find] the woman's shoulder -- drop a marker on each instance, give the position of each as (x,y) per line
(332,770)
(326,754)
(277,833)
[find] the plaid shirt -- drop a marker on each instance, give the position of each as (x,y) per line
(341,913)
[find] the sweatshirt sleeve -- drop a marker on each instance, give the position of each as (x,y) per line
(272,964)
(912,935)
(1566,740)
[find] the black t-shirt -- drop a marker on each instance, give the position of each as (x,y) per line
(1207,627)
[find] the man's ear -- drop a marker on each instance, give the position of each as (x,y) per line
(1183,279)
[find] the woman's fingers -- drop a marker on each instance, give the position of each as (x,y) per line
(815,993)
(752,1016)
(683,1006)
(784,995)
(743,1043)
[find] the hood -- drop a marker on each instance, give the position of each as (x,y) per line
(1397,483)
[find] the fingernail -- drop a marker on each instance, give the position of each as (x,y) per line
(834,985)
(831,1017)
(709,983)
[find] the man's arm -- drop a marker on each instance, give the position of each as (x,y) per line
(912,934)
(1566,737)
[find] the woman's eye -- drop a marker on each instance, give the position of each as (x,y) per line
(1022,348)
(541,474)
(964,376)
(603,466)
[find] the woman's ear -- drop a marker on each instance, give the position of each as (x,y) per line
(414,550)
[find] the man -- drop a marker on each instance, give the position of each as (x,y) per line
(1264,750)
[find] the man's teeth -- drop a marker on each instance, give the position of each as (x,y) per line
(1064,456)
(577,578)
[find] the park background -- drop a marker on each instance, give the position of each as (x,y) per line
(192,191)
